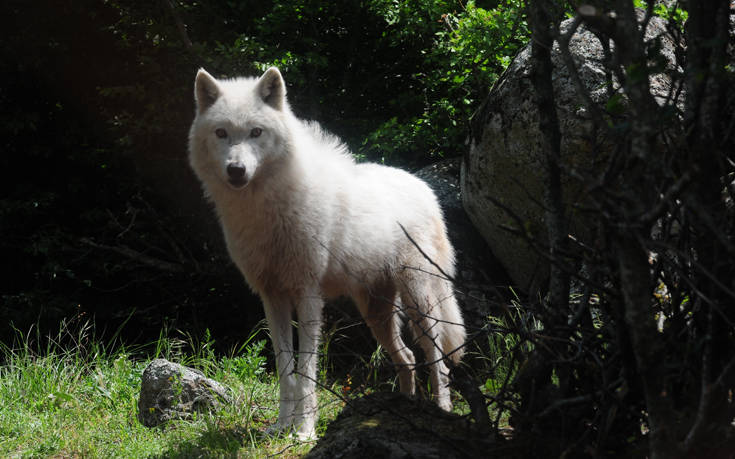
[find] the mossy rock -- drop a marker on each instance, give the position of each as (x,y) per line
(391,425)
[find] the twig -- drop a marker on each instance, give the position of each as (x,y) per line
(136,256)
(180,26)
(428,258)
(564,39)
(466,386)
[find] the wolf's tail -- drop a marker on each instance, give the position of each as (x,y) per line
(453,332)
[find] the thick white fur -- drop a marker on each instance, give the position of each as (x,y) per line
(309,223)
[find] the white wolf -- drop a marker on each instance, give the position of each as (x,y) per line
(303,221)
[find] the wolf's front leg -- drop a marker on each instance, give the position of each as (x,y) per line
(278,315)
(310,322)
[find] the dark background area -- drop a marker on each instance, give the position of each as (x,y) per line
(100,216)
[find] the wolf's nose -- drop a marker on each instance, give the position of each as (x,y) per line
(236,171)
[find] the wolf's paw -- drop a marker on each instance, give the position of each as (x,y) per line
(304,426)
(444,403)
(302,435)
(305,436)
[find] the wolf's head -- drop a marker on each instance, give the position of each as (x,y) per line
(241,126)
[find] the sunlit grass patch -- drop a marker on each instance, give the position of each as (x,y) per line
(68,401)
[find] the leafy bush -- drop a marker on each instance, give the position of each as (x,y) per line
(467,54)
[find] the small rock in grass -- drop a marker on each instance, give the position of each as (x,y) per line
(172,391)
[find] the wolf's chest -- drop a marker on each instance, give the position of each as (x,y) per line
(272,251)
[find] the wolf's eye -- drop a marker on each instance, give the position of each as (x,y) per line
(256,132)
(221,133)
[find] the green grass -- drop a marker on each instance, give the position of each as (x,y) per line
(80,400)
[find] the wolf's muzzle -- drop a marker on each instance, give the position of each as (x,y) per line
(236,175)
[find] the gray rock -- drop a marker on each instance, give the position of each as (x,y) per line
(392,426)
(505,160)
(172,391)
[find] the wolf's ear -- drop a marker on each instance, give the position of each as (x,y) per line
(206,90)
(272,88)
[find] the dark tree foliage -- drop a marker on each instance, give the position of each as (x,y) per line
(639,360)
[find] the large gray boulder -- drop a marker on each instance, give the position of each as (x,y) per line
(172,391)
(503,170)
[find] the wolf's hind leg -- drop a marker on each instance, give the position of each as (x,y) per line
(422,306)
(380,311)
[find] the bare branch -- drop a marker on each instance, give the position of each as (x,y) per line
(180,26)
(137,256)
